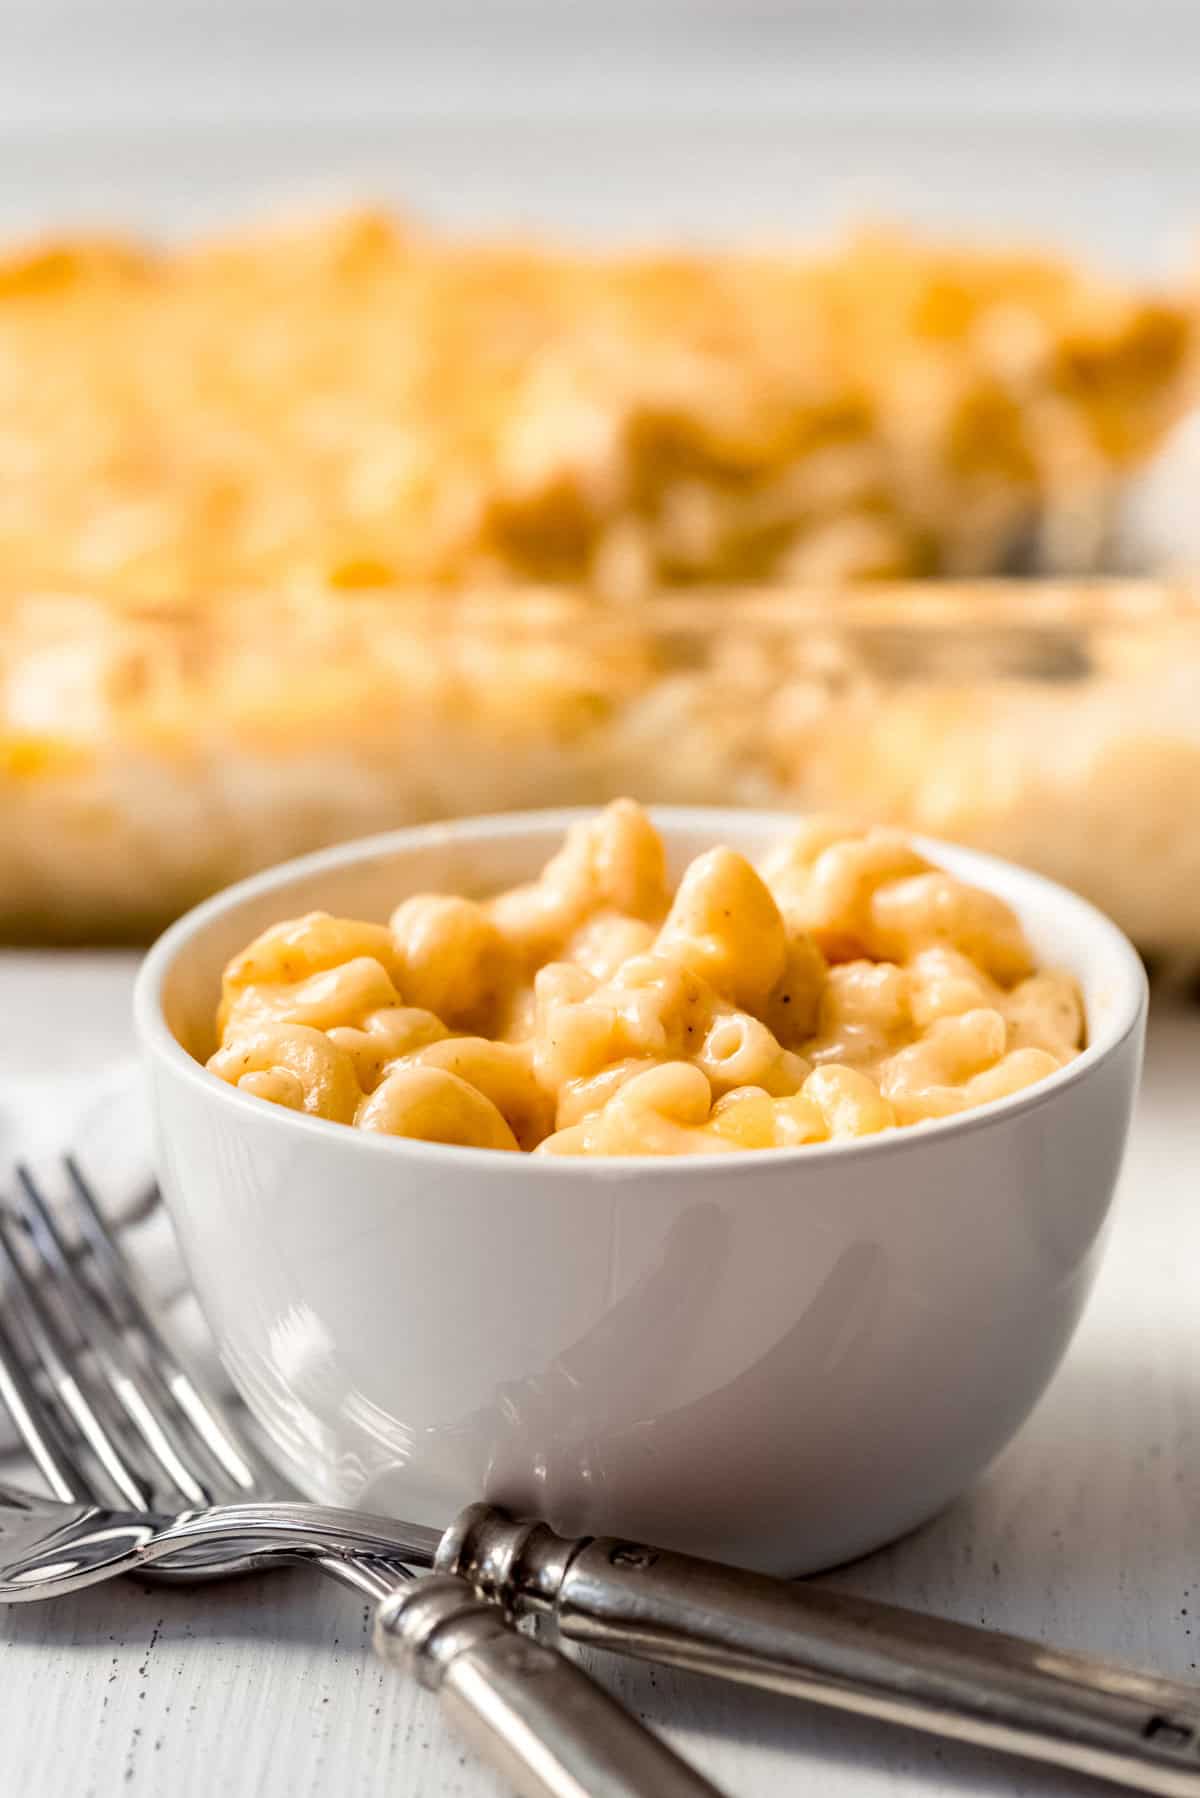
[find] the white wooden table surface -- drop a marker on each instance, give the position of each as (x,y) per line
(1086,1534)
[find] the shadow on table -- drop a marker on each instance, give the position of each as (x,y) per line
(289,1605)
(718,1725)
(1086,1534)
(724,1729)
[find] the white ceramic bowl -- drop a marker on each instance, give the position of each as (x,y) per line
(783,1359)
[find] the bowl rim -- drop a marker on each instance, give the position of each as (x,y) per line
(157,1041)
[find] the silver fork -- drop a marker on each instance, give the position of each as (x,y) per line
(106,1410)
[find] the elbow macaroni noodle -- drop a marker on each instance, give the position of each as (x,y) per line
(844,987)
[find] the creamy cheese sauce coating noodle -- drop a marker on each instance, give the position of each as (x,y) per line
(843,986)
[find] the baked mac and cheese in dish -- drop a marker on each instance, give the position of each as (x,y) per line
(357,402)
(843,986)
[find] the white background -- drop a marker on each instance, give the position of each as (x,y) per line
(1074,118)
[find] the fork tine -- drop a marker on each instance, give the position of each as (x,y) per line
(112,1357)
(120,1292)
(54,1356)
(35,1423)
(116,1302)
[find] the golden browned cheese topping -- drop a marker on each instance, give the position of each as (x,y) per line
(354,404)
(844,986)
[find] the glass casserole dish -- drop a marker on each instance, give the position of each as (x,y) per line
(150,753)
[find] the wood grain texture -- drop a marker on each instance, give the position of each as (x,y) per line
(1085,1534)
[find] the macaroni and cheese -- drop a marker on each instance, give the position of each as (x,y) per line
(358,403)
(845,985)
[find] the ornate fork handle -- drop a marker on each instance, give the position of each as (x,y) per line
(538,1717)
(855,1654)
